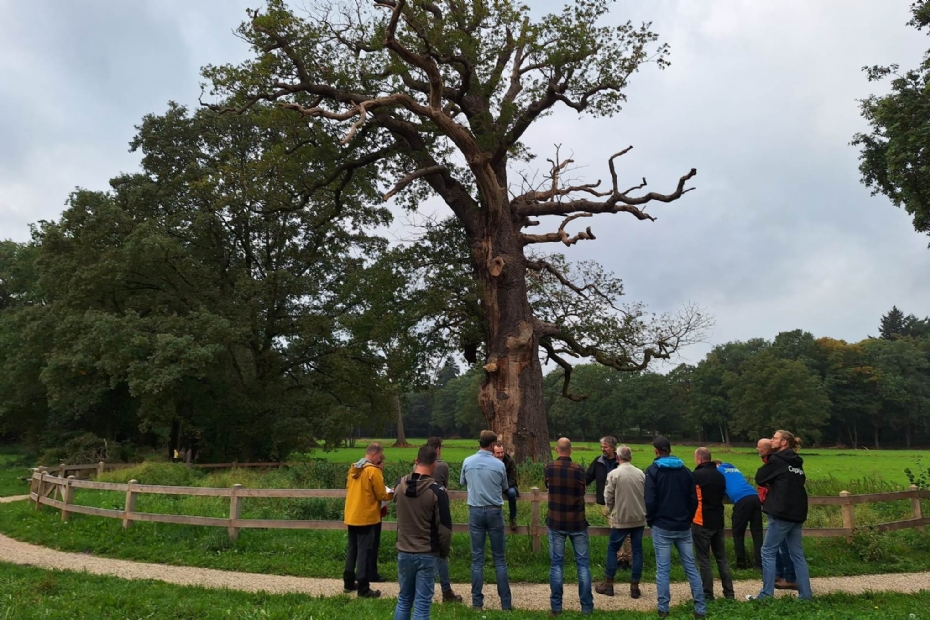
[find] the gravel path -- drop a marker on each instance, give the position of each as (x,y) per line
(525,595)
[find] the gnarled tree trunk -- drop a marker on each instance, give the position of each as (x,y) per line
(511,395)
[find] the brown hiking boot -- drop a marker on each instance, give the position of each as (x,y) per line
(634,589)
(606,588)
(448,596)
(782,584)
(513,525)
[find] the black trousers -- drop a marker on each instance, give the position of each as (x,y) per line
(373,556)
(362,552)
(748,511)
(707,541)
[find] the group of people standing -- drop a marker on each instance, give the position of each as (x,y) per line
(683,509)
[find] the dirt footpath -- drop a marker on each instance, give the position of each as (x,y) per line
(525,595)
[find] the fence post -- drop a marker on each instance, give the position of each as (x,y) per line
(67,499)
(99,469)
(130,504)
(534,521)
(849,517)
(41,489)
(32,481)
(235,510)
(915,506)
(62,468)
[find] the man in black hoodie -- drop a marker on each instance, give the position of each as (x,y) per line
(786,505)
(707,529)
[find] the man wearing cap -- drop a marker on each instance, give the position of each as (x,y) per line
(485,477)
(671,501)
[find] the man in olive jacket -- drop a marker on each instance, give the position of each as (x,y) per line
(424,536)
(624,495)
(786,505)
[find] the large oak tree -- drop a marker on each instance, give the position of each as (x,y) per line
(439,96)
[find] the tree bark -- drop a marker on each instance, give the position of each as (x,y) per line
(401,437)
(875,434)
(511,395)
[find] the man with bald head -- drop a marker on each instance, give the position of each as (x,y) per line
(707,527)
(565,481)
(785,575)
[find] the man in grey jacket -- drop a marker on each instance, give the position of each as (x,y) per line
(424,536)
(625,508)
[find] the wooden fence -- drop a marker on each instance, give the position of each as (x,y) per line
(58,492)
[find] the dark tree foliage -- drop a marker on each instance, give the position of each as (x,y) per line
(895,153)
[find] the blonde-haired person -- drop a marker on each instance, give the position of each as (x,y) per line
(786,505)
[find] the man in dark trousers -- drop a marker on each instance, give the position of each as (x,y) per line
(707,528)
(365,490)
(441,476)
(597,473)
(424,536)
(786,505)
(671,501)
(747,511)
(512,491)
(565,482)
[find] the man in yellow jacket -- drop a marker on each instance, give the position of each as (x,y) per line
(365,490)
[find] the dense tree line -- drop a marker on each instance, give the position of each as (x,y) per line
(872,393)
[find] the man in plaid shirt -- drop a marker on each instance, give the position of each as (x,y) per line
(566,483)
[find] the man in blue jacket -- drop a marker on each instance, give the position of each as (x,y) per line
(747,510)
(671,501)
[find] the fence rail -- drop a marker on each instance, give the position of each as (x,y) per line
(44,488)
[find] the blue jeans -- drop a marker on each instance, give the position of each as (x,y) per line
(416,573)
(557,561)
(488,522)
(512,500)
(443,572)
(616,541)
(779,532)
(663,540)
(784,567)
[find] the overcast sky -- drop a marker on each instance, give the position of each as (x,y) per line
(761,98)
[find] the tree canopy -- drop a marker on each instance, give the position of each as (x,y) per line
(438,96)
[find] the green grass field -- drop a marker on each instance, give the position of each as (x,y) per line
(819,463)
(32,593)
(13,466)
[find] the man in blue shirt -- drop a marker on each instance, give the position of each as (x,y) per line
(747,510)
(485,478)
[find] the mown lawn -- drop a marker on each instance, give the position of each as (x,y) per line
(31,593)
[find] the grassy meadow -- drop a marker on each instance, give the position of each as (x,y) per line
(819,463)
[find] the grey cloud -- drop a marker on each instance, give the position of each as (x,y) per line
(760,97)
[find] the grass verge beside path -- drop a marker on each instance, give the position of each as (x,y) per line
(13,466)
(321,553)
(27,593)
